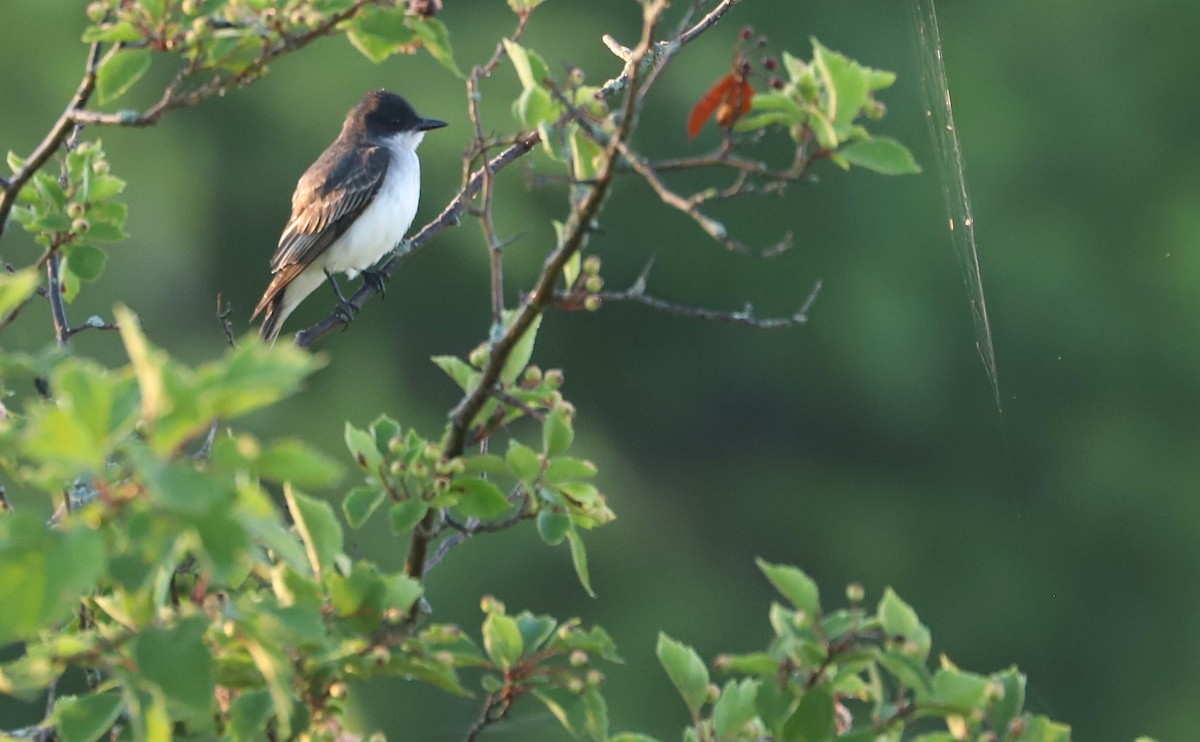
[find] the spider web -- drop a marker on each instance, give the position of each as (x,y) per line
(939,114)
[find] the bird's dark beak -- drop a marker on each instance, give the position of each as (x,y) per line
(427,124)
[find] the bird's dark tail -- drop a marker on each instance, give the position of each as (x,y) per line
(273,318)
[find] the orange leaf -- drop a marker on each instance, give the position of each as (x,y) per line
(713,98)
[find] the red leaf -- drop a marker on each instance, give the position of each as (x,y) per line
(713,98)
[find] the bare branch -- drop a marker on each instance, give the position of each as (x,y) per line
(92,323)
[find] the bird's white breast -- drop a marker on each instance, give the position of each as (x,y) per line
(384,222)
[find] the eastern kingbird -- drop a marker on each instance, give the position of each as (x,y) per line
(351,207)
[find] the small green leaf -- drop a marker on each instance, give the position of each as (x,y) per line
(456,368)
(579,559)
(686,671)
(882,155)
(521,352)
(566,469)
(962,690)
(502,640)
(86,262)
(845,83)
(485,463)
(294,461)
(567,707)
(596,714)
(104,187)
(249,714)
(436,38)
(120,71)
(735,708)
(379,33)
(531,68)
(524,6)
(318,527)
(813,720)
(632,737)
(523,461)
(822,127)
(361,502)
(179,662)
(797,587)
(87,718)
(16,287)
(404,516)
(480,498)
(899,619)
(553,526)
(1011,704)
(362,446)
(557,433)
(122,31)
(535,630)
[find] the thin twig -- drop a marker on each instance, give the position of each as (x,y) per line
(495,708)
(58,134)
(92,323)
(224,310)
(62,332)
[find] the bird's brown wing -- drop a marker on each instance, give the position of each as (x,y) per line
(328,198)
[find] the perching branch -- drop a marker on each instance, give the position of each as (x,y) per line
(58,310)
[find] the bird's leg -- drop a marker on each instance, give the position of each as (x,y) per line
(376,280)
(345,310)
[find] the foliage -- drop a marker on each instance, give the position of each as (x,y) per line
(202,593)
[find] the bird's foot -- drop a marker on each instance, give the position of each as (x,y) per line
(377,280)
(344,311)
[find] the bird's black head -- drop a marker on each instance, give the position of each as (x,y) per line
(383,114)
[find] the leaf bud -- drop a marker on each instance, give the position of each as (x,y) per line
(554,378)
(855,592)
(594,678)
(101,167)
(713,692)
(95,12)
(575,685)
(480,356)
(533,375)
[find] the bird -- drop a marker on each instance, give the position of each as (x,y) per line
(350,208)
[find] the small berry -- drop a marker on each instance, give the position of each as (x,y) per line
(554,378)
(594,283)
(80,225)
(75,210)
(533,375)
(713,692)
(775,83)
(591,265)
(591,303)
(595,678)
(746,33)
(578,658)
(101,167)
(770,64)
(95,12)
(855,592)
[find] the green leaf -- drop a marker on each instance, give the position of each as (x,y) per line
(531,68)
(524,6)
(249,714)
(294,461)
(521,352)
(686,671)
(523,461)
(567,707)
(882,155)
(813,720)
(43,573)
(456,368)
(16,288)
(571,268)
(579,559)
(361,502)
(404,516)
(87,718)
(379,33)
(480,498)
(899,619)
(596,714)
(502,640)
(962,690)
(566,469)
(86,262)
(845,84)
(122,31)
(104,187)
(1042,729)
(800,590)
(553,526)
(1010,705)
(362,446)
(735,708)
(557,433)
(120,71)
(823,129)
(436,38)
(105,232)
(318,529)
(908,671)
(535,630)
(178,661)
(632,737)
(485,463)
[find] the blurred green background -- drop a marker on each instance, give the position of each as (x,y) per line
(1062,535)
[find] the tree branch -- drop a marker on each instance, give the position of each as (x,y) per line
(62,329)
(54,138)
(574,235)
